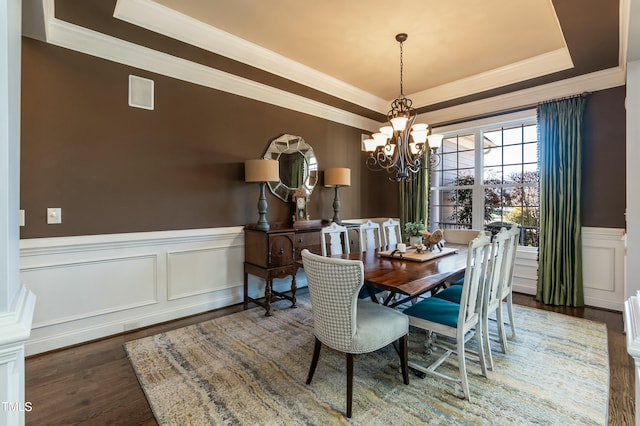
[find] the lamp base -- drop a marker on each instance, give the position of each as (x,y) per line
(336,208)
(262,224)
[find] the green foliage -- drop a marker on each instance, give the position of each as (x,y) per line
(411,228)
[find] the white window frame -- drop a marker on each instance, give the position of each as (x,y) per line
(477,128)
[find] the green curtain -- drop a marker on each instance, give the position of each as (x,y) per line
(414,197)
(560,251)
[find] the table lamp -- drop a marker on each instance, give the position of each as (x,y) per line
(262,171)
(337,177)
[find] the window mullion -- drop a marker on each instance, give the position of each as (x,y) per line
(478,189)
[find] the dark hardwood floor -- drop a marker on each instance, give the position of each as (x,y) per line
(94,384)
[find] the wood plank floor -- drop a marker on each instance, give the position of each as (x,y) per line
(94,384)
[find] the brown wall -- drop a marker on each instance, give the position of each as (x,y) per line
(603,160)
(113,168)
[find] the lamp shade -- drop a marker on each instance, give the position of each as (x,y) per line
(337,176)
(261,171)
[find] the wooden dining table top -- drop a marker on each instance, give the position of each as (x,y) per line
(406,277)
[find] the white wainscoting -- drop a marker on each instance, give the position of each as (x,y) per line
(93,286)
(603,253)
(90,287)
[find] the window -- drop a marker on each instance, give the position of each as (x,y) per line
(488,177)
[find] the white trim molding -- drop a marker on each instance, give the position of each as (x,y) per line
(155,17)
(94,286)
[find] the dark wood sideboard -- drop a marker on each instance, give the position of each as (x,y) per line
(276,254)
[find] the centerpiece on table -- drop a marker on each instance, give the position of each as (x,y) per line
(412,231)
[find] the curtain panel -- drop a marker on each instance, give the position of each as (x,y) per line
(414,197)
(560,125)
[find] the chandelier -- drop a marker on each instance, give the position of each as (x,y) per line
(400,147)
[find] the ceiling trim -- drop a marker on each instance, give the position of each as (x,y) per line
(599,80)
(163,20)
(80,39)
(70,36)
(538,66)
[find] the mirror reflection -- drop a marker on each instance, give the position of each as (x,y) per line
(298,166)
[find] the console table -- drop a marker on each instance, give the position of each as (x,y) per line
(276,254)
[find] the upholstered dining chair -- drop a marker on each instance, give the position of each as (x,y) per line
(370,236)
(338,239)
(348,324)
(392,232)
(458,321)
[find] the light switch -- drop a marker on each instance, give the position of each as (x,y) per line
(54,215)
(21,217)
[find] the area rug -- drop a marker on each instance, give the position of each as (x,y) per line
(247,369)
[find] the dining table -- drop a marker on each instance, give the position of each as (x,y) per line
(406,279)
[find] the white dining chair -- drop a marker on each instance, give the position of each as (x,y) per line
(392,232)
(458,321)
(346,323)
(370,236)
(507,285)
(338,239)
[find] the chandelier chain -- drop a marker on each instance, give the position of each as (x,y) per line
(401,69)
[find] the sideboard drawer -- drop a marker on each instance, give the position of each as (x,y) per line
(307,240)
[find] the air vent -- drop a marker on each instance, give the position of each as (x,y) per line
(140,92)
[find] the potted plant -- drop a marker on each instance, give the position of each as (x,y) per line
(412,231)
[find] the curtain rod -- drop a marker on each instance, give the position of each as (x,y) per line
(581,95)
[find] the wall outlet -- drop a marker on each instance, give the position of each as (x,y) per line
(54,215)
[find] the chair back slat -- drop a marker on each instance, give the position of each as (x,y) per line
(499,270)
(333,287)
(392,232)
(338,239)
(370,238)
(507,285)
(474,278)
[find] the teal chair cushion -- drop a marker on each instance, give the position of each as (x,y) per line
(452,294)
(435,310)
(458,282)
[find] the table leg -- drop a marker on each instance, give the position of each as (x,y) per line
(246,292)
(294,287)
(267,297)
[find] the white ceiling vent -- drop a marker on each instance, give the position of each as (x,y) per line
(140,92)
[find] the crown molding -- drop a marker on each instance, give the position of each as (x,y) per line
(70,36)
(163,20)
(540,65)
(599,80)
(90,42)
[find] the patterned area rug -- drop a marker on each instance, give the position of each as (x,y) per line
(250,370)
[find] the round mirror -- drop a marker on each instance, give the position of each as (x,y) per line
(298,166)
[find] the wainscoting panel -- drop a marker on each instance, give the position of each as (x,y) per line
(93,286)
(194,272)
(99,286)
(603,252)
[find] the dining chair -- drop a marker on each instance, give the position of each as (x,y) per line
(458,321)
(370,236)
(507,286)
(338,239)
(460,236)
(391,232)
(371,239)
(500,269)
(345,323)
